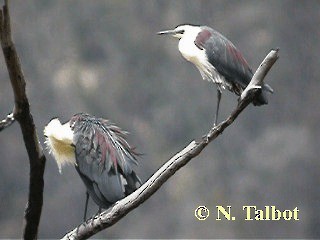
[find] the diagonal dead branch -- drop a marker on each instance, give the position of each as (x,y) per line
(124,206)
(256,82)
(22,114)
(7,121)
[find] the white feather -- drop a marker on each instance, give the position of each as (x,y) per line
(198,57)
(59,139)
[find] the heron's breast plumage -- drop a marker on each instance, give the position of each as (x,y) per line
(199,58)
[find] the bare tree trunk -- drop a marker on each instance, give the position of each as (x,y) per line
(21,112)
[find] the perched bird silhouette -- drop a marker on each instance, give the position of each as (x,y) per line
(217,59)
(100,153)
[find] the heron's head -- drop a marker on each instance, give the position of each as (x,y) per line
(59,142)
(182,31)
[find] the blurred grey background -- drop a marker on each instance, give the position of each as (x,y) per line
(104,57)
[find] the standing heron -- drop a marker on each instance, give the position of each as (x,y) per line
(100,153)
(217,59)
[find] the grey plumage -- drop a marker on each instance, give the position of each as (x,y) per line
(217,60)
(104,159)
(229,62)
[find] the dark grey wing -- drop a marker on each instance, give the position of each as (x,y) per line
(228,61)
(104,159)
(124,157)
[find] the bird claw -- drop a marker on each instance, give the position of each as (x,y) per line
(206,139)
(92,220)
(215,126)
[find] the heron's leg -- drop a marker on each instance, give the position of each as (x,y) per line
(218,104)
(86,206)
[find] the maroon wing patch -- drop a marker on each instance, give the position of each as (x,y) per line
(201,39)
(237,56)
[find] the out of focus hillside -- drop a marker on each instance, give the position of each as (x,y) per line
(104,57)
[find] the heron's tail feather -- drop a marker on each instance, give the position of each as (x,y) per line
(133,182)
(267,88)
(262,98)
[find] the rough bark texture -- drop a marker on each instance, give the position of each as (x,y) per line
(21,113)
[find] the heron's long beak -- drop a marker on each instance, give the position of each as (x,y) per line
(172,32)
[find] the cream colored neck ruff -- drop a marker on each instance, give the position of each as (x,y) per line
(59,139)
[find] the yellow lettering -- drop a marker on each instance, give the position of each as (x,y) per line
(226,214)
(267,213)
(295,214)
(275,213)
(259,215)
(247,208)
(287,215)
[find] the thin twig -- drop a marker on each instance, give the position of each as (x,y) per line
(124,206)
(7,121)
